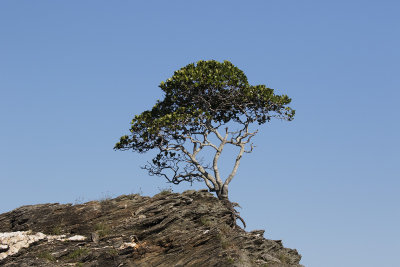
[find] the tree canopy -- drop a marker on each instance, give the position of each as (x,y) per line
(204,102)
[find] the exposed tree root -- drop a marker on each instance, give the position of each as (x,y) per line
(234,213)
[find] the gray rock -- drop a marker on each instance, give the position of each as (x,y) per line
(190,229)
(258,232)
(95,237)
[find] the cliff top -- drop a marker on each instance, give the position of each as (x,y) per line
(169,229)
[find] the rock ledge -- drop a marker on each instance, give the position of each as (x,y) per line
(188,229)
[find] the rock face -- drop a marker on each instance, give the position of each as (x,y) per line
(188,229)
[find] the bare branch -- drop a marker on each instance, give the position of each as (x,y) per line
(215,131)
(236,166)
(200,168)
(216,157)
(252,146)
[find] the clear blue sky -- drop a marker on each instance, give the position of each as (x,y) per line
(74,73)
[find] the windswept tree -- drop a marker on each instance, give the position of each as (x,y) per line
(207,106)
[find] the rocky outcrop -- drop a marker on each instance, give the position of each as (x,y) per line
(188,229)
(13,242)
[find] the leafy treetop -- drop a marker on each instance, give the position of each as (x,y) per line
(200,98)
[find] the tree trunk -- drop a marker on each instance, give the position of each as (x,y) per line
(222,194)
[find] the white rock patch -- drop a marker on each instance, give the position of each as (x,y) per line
(74,238)
(128,245)
(22,239)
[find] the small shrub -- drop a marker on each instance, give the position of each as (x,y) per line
(112,253)
(230,260)
(137,192)
(284,258)
(56,230)
(79,200)
(165,191)
(105,197)
(132,196)
(224,228)
(46,255)
(205,220)
(222,239)
(77,253)
(102,229)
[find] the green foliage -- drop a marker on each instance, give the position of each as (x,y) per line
(205,220)
(102,229)
(46,255)
(56,230)
(77,253)
(200,98)
(230,260)
(223,240)
(206,92)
